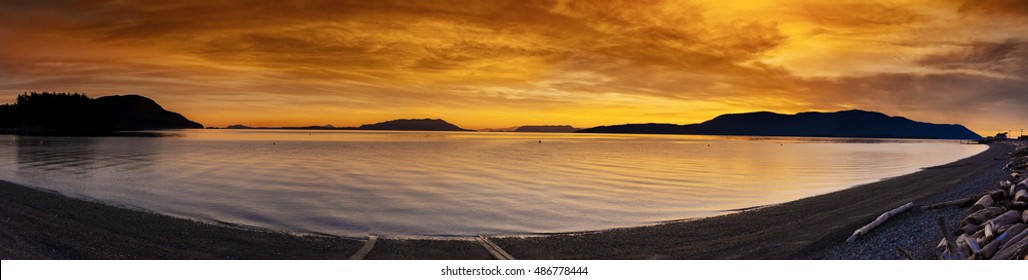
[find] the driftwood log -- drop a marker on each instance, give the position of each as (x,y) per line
(981,216)
(1021,196)
(1023,185)
(968,228)
(364,250)
(1015,187)
(906,253)
(494,249)
(951,252)
(964,248)
(998,195)
(988,234)
(877,222)
(985,202)
(1015,230)
(960,203)
(1012,251)
(1006,218)
(988,251)
(1013,239)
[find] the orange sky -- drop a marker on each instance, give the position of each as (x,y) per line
(482,64)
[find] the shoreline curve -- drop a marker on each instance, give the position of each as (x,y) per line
(42,225)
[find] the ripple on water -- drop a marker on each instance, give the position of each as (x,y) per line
(455,183)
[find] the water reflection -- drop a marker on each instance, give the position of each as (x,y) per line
(81,156)
(455,183)
(57,155)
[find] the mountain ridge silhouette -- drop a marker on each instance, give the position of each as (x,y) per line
(849,123)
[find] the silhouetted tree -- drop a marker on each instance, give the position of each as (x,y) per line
(8,117)
(76,113)
(57,110)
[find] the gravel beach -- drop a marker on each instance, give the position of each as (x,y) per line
(37,224)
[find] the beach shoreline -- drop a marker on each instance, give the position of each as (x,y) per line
(37,224)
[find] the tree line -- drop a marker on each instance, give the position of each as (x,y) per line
(56,110)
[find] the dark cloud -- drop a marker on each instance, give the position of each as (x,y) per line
(857,14)
(976,101)
(1007,58)
(994,7)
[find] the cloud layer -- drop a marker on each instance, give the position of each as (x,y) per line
(505,63)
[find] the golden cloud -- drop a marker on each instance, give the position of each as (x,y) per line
(505,63)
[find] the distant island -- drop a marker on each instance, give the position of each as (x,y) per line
(501,129)
(76,113)
(400,124)
(413,124)
(312,127)
(546,128)
(533,128)
(852,123)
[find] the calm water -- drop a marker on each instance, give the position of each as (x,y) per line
(454,183)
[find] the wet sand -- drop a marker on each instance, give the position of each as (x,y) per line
(37,224)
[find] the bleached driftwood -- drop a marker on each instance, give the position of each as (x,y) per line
(364,250)
(877,222)
(494,249)
(988,234)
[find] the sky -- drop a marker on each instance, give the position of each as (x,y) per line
(495,64)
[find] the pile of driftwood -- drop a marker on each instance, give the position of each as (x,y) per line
(1018,161)
(997,226)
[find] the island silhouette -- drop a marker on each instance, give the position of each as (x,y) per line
(851,123)
(77,113)
(399,124)
(546,128)
(413,124)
